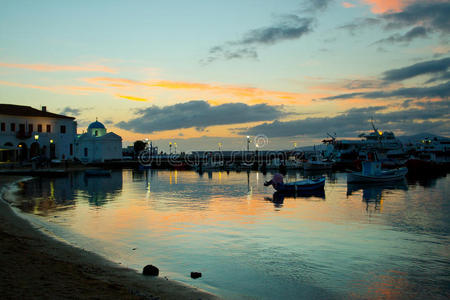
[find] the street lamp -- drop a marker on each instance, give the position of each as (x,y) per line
(248,143)
(175,144)
(36,137)
(220,146)
(170,148)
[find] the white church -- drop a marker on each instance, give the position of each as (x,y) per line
(98,145)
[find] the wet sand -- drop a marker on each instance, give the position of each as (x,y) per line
(34,265)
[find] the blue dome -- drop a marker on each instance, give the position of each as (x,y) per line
(96,125)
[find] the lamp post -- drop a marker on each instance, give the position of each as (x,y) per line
(248,143)
(220,146)
(170,148)
(36,137)
(175,144)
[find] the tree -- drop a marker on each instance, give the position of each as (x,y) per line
(138,147)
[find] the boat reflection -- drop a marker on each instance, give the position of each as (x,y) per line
(373,193)
(314,195)
(44,194)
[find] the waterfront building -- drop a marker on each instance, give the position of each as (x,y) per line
(26,132)
(98,145)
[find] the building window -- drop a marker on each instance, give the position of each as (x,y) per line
(86,152)
(30,128)
(49,128)
(96,133)
(63,129)
(22,128)
(13,126)
(71,149)
(39,127)
(3,126)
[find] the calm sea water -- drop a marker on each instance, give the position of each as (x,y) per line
(352,241)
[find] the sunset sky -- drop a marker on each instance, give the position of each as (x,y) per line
(200,73)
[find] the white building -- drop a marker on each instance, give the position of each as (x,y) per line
(26,132)
(96,145)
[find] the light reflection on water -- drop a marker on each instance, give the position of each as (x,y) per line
(352,241)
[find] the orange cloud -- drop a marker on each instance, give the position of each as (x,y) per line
(348,4)
(131,98)
(56,68)
(239,92)
(70,90)
(382,6)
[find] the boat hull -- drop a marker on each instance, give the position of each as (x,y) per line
(386,176)
(299,186)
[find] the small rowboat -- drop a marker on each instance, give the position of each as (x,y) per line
(302,185)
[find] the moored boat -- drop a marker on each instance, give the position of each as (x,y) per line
(372,172)
(296,186)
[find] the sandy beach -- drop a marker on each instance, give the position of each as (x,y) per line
(34,265)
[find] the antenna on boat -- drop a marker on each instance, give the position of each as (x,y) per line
(373,125)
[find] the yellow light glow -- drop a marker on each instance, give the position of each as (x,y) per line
(51,141)
(36,137)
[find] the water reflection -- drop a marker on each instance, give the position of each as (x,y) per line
(278,197)
(243,235)
(100,190)
(427,180)
(44,194)
(373,193)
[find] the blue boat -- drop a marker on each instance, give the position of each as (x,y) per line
(299,186)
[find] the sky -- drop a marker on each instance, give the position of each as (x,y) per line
(203,73)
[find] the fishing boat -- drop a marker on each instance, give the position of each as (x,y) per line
(372,172)
(296,186)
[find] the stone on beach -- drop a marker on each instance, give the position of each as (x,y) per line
(196,275)
(150,270)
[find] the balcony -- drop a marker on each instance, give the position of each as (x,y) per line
(23,135)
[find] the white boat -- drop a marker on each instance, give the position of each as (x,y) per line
(317,162)
(372,172)
(312,165)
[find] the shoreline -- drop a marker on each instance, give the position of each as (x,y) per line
(35,265)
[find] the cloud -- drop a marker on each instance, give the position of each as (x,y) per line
(69,90)
(347,4)
(382,6)
(439,91)
(59,68)
(416,32)
(429,117)
(293,28)
(421,19)
(131,98)
(312,6)
(209,89)
(71,111)
(359,24)
(290,27)
(199,114)
(432,14)
(423,68)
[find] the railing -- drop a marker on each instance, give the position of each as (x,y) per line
(23,135)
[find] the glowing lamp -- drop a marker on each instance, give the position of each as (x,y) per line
(36,137)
